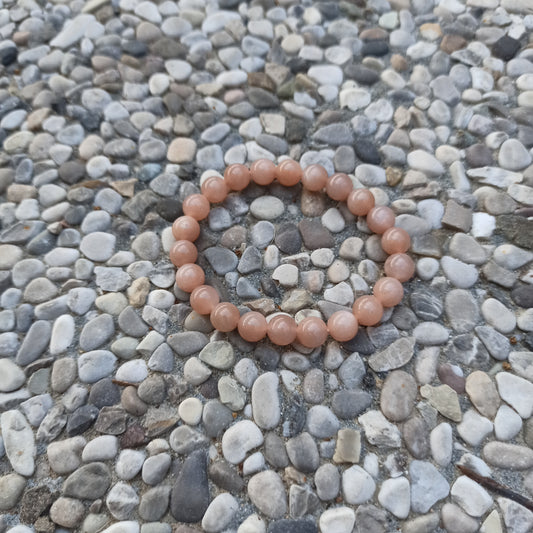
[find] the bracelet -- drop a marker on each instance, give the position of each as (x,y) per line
(281,328)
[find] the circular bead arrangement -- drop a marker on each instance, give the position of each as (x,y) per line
(280,328)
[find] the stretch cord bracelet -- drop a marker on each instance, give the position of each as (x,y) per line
(280,328)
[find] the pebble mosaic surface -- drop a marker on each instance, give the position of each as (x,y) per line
(121,410)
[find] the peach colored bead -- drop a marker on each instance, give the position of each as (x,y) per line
(190,276)
(314,178)
(281,330)
(289,172)
(186,228)
(343,326)
(252,326)
(395,241)
(399,266)
(203,299)
(380,218)
(388,291)
(263,171)
(225,317)
(368,310)
(339,186)
(237,177)
(183,252)
(215,189)
(360,202)
(196,206)
(312,332)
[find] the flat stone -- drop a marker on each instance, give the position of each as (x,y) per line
(483,393)
(398,354)
(428,486)
(444,399)
(379,431)
(517,392)
(19,442)
(190,494)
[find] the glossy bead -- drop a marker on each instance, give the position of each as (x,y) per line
(399,266)
(388,291)
(380,218)
(289,172)
(203,299)
(339,187)
(343,326)
(395,241)
(215,189)
(196,206)
(183,252)
(225,317)
(237,177)
(252,326)
(263,171)
(368,310)
(186,228)
(281,330)
(360,202)
(312,332)
(190,276)
(314,178)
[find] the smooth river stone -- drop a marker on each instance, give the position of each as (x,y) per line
(239,439)
(19,442)
(504,455)
(265,401)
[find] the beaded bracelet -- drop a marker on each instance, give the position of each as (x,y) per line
(282,329)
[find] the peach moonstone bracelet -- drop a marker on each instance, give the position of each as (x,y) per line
(282,329)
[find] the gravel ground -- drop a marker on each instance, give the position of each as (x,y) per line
(121,409)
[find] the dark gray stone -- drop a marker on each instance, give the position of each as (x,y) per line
(226,477)
(190,494)
(347,404)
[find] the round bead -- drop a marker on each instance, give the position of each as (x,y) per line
(314,178)
(203,299)
(380,218)
(343,326)
(225,317)
(399,266)
(312,332)
(196,206)
(281,330)
(388,291)
(263,171)
(186,228)
(237,177)
(190,276)
(183,252)
(360,202)
(215,189)
(252,326)
(289,172)
(368,310)
(339,186)
(395,241)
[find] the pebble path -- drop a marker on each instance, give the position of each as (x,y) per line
(124,412)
